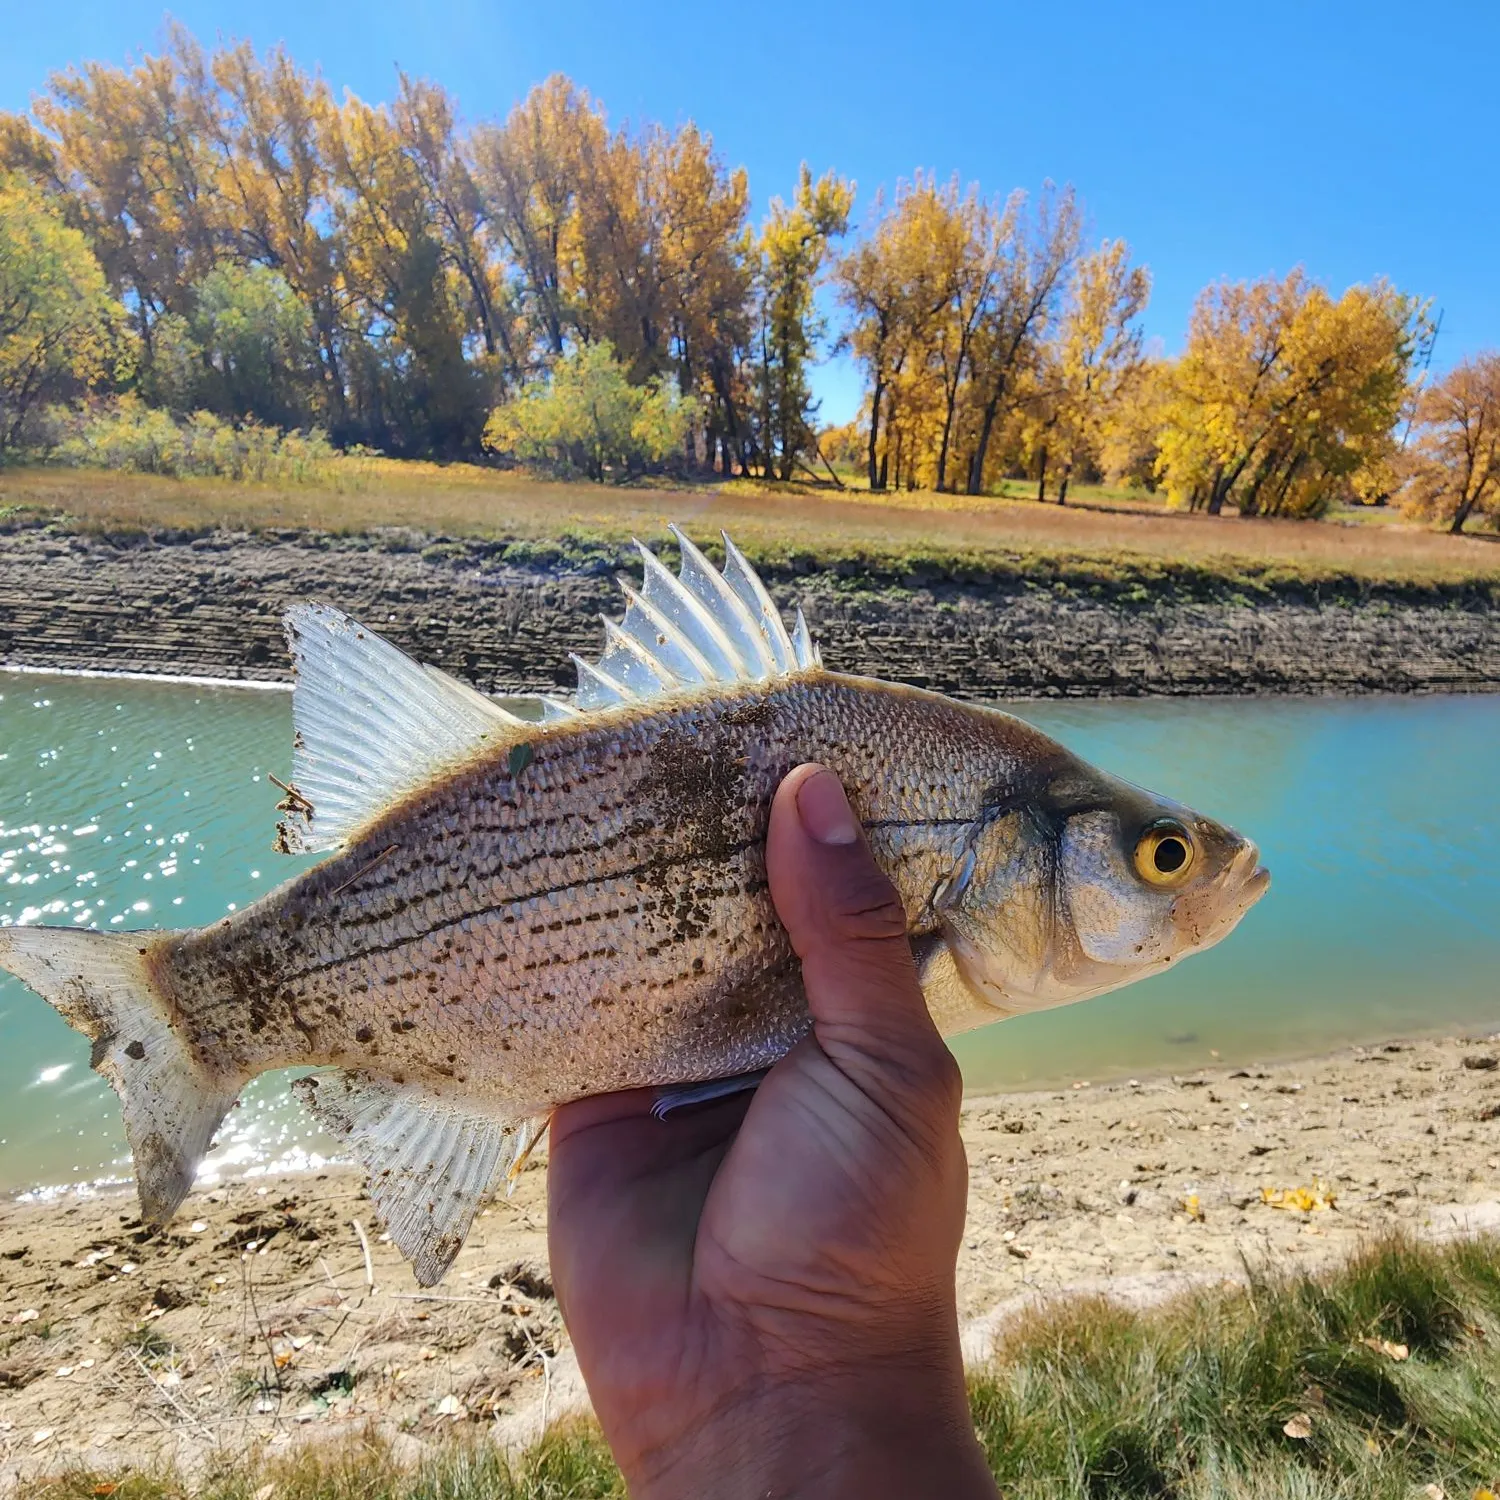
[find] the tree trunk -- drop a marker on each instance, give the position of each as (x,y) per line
(986,427)
(1461,515)
(1217,493)
(1062,489)
(1041,477)
(950,404)
(877,477)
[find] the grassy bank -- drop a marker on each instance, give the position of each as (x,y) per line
(1116,540)
(1372,1381)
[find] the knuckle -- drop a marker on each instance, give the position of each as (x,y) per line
(938,1075)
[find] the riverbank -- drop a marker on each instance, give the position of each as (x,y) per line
(261,1317)
(505,615)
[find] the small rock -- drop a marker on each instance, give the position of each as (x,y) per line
(450,1406)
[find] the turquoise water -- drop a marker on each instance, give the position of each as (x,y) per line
(138,804)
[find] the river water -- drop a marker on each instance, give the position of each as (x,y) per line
(127,803)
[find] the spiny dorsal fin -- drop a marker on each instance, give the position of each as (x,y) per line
(429,1160)
(699,627)
(372,724)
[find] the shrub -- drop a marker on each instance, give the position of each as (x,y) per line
(586,417)
(130,436)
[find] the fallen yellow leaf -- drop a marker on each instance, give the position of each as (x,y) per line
(1303,1199)
(1384,1346)
(1299,1427)
(1192,1207)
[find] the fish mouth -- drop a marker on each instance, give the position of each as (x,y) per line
(1246,880)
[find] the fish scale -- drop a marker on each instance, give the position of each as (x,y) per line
(516,915)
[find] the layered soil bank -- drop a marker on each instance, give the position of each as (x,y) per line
(506,615)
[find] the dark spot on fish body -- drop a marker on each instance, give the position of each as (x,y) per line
(136,1050)
(364,1035)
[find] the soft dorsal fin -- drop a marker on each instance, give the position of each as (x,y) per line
(699,627)
(372,724)
(429,1160)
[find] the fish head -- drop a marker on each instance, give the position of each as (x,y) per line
(1084,884)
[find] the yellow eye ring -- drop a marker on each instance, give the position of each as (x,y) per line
(1165,853)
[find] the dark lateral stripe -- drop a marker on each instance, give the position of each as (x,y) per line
(356,955)
(373,915)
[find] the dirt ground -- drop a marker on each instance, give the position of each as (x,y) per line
(260,1317)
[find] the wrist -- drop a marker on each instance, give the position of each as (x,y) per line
(870,1434)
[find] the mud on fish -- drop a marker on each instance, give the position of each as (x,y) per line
(516,914)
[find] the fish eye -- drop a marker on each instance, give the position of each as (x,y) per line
(1165,853)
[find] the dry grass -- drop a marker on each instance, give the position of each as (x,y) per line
(819,524)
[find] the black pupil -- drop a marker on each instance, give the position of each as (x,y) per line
(1170,855)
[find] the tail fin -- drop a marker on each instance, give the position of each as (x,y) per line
(104,985)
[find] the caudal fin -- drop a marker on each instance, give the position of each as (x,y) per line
(103,985)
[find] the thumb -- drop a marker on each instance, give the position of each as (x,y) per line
(848,927)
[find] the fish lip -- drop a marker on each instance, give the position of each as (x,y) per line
(1246,879)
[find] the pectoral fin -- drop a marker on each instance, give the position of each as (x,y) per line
(683,1096)
(430,1160)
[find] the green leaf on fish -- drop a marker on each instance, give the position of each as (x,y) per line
(520,758)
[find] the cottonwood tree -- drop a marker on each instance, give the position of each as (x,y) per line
(794,249)
(1035,260)
(60,330)
(1453,465)
(1286,399)
(897,284)
(1096,356)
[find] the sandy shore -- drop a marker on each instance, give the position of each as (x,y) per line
(256,1318)
(211,606)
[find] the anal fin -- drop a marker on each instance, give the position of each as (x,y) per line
(430,1160)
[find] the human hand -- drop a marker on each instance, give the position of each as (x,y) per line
(761,1292)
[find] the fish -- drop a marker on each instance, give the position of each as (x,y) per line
(515,913)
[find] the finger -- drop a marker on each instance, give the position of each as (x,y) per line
(848,927)
(625,1191)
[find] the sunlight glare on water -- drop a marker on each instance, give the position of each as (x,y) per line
(136,804)
(128,804)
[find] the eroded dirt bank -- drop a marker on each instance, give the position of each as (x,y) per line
(211,606)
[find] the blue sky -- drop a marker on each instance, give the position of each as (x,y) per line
(1219,139)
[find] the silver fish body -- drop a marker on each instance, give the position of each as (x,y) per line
(599,918)
(550,911)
